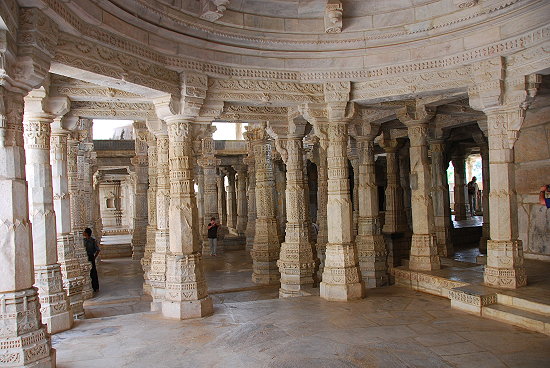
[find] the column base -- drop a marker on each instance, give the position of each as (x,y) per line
(54,306)
(269,277)
(505,265)
(186,291)
(296,266)
(24,341)
(424,253)
(188,309)
(372,260)
(341,275)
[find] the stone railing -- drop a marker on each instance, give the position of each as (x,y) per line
(114,145)
(227,147)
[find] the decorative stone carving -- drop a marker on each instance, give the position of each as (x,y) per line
(465,3)
(333,16)
(231,201)
(151,209)
(250,161)
(139,234)
(242,214)
(265,251)
(462,209)
(212,10)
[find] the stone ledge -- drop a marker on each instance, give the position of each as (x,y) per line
(472,298)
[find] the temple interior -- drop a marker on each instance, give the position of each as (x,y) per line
(274,183)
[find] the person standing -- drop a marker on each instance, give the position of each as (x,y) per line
(213,235)
(93,251)
(473,190)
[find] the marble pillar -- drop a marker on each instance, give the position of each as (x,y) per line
(199,179)
(231,201)
(54,305)
(222,205)
(322,199)
(486,177)
(70,266)
(157,271)
(460,191)
(23,337)
(151,210)
(242,215)
(424,256)
(265,251)
(141,183)
(505,267)
(209,162)
(186,294)
(371,247)
(76,199)
(251,198)
(440,196)
(296,263)
(394,221)
(341,274)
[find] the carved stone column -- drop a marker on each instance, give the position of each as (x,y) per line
(139,235)
(209,162)
(242,216)
(322,199)
(394,221)
(440,196)
(424,247)
(486,177)
(199,179)
(222,205)
(354,161)
(76,199)
(505,267)
(70,266)
(157,271)
(341,275)
(23,338)
(249,160)
(54,305)
(370,241)
(231,201)
(460,192)
(151,210)
(265,251)
(186,293)
(296,262)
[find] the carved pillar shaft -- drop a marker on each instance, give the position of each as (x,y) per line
(54,305)
(151,210)
(222,205)
(141,183)
(70,266)
(23,335)
(242,215)
(394,221)
(322,198)
(423,248)
(265,251)
(440,196)
(504,250)
(231,202)
(157,271)
(460,191)
(76,199)
(341,278)
(296,262)
(186,294)
(484,148)
(251,196)
(370,241)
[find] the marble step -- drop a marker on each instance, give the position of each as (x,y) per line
(518,317)
(524,304)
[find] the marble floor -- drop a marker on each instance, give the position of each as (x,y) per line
(251,327)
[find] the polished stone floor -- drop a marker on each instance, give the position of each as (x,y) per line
(251,327)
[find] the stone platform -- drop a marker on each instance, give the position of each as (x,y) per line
(462,283)
(116,246)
